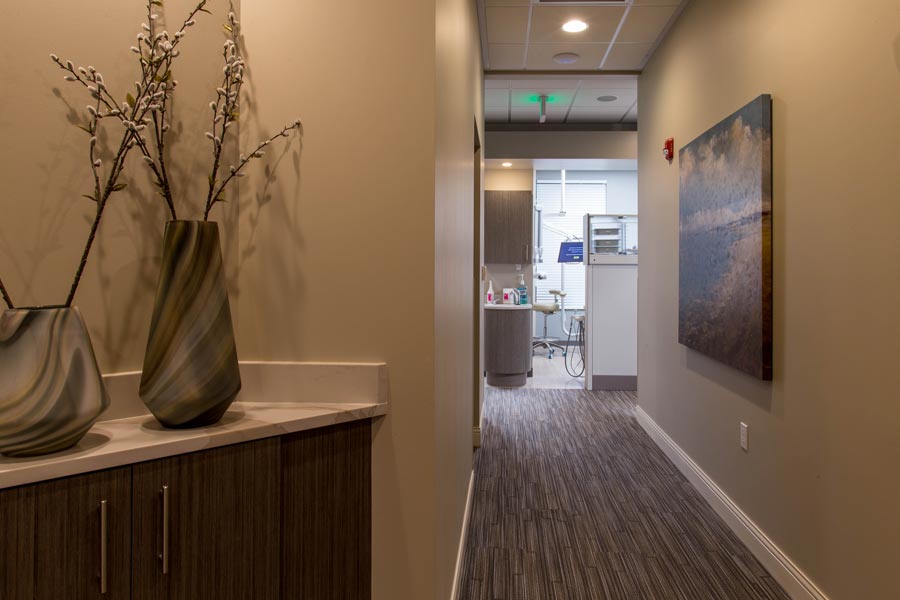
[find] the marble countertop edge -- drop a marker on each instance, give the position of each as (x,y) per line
(131,440)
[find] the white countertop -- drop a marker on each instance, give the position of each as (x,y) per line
(508,306)
(276,399)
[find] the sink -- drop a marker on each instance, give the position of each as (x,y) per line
(508,306)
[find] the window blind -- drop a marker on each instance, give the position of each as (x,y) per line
(564,201)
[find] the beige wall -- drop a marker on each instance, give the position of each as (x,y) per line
(508,179)
(333,246)
(459,101)
(44,165)
(820,477)
(561,144)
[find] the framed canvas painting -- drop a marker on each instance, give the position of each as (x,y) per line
(725,241)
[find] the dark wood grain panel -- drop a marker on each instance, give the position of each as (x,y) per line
(224,524)
(326,513)
(507,335)
(17,543)
(67,536)
(508,218)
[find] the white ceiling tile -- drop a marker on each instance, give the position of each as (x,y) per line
(627,56)
(591,115)
(632,115)
(547,22)
(645,23)
(506,24)
(610,82)
(499,98)
(530,114)
(495,115)
(588,98)
(531,83)
(540,56)
(496,84)
(506,56)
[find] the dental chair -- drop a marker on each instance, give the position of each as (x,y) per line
(548,310)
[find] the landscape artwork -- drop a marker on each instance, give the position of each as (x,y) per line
(725,252)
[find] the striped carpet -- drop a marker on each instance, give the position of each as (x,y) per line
(573,501)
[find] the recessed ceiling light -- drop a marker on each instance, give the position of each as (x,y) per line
(566,58)
(507,164)
(574,26)
(607,98)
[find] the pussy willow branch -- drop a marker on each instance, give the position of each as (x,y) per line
(5,295)
(116,170)
(132,113)
(245,160)
(225,110)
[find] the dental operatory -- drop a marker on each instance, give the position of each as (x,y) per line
(560,274)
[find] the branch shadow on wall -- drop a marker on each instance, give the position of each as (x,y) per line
(283,222)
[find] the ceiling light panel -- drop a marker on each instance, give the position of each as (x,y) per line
(547,22)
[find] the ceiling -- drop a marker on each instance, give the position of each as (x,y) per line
(571,98)
(519,35)
(570,164)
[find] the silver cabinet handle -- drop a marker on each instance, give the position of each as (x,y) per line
(164,556)
(104,545)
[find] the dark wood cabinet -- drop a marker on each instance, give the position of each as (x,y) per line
(17,543)
(326,513)
(508,227)
(69,538)
(284,517)
(210,520)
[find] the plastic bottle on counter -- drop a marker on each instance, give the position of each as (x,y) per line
(522,289)
(490,293)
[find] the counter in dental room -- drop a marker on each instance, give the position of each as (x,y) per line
(507,344)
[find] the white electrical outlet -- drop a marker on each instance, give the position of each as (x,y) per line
(745,437)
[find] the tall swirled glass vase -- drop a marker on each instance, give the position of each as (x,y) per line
(51,391)
(191,374)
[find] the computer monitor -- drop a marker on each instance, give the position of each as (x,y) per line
(571,252)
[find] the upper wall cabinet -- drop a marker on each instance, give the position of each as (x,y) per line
(508,228)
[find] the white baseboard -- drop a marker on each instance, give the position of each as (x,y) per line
(463,538)
(794,581)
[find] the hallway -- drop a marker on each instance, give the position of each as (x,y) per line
(573,501)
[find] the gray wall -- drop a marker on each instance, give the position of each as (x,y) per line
(821,474)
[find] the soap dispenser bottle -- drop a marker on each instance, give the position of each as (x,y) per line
(490,292)
(522,289)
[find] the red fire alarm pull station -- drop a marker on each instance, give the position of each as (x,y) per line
(669,149)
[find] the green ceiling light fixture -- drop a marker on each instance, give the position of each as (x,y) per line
(543,118)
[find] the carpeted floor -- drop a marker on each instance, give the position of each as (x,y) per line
(573,501)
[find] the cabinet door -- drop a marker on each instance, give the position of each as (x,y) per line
(327,513)
(82,537)
(206,525)
(17,543)
(508,218)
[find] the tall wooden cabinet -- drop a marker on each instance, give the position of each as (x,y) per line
(508,227)
(283,517)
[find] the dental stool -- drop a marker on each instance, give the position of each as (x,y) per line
(548,310)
